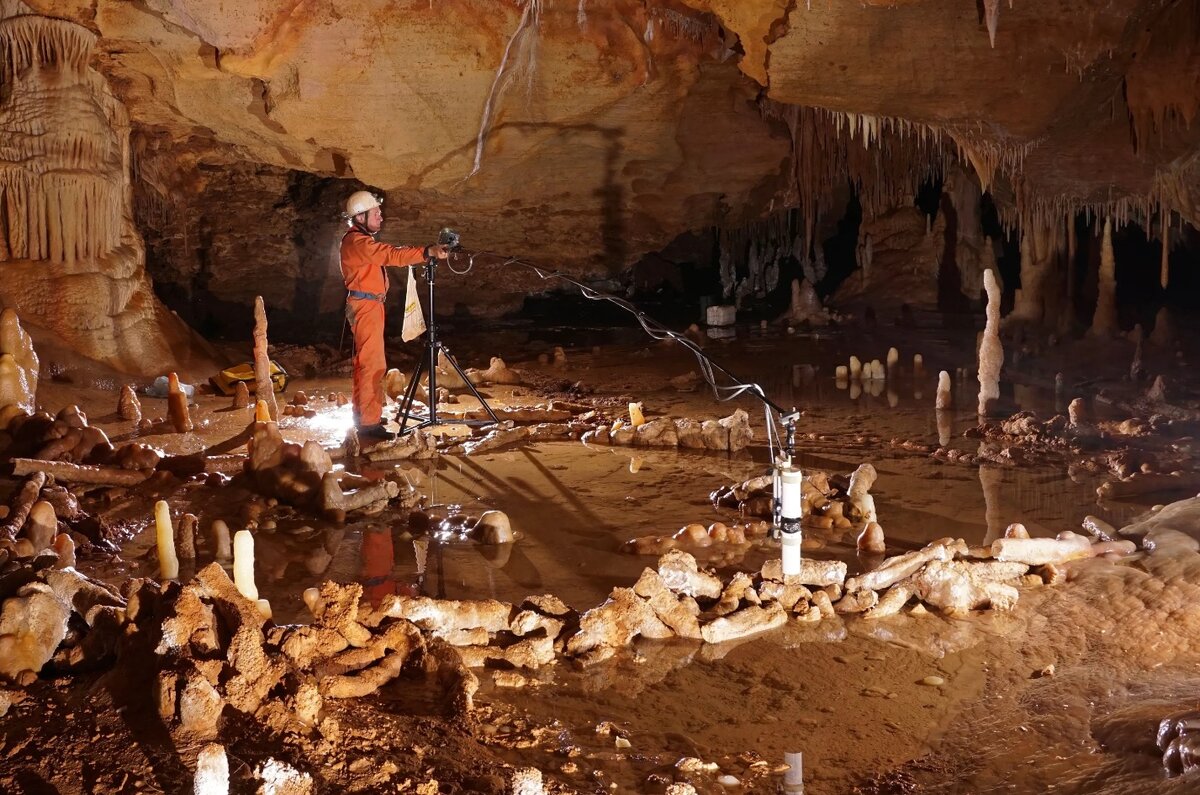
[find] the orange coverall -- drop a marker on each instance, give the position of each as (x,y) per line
(363,262)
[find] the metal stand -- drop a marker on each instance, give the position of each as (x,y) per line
(429,361)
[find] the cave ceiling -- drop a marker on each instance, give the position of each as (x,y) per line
(614,126)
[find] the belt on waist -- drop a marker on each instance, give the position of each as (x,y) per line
(380,297)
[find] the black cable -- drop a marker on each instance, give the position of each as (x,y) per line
(658,331)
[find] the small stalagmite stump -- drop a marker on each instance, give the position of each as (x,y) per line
(42,525)
(177,405)
(871,539)
(128,405)
(1077,412)
(185,537)
(241,395)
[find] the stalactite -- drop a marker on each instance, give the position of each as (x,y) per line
(700,29)
(526,62)
(886,159)
(991,13)
(28,41)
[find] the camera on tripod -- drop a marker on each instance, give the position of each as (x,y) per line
(449,238)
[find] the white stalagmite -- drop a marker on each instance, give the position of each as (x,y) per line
(243,564)
(991,352)
(855,368)
(1104,320)
(168,563)
(943,400)
(893,359)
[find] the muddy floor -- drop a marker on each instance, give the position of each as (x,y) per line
(1061,694)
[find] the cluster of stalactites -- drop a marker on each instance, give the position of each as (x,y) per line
(1162,87)
(62,185)
(29,41)
(886,159)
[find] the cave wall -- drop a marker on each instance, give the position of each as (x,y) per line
(583,135)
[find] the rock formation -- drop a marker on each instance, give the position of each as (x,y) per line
(72,261)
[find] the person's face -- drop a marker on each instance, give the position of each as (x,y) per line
(374,219)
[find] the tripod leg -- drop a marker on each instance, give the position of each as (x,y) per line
(410,394)
(467,381)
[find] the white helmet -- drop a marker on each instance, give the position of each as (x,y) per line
(360,202)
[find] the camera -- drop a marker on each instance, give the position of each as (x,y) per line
(449,238)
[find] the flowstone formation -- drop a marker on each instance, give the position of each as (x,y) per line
(71,261)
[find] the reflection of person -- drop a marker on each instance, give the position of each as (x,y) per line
(363,262)
(378,561)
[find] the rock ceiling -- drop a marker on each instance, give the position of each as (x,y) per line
(587,132)
(617,124)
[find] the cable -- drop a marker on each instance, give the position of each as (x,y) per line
(658,331)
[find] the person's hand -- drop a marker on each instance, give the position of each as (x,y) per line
(437,251)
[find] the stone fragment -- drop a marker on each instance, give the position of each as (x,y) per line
(744,623)
(32,624)
(819,573)
(493,527)
(681,574)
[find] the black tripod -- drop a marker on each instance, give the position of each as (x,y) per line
(429,361)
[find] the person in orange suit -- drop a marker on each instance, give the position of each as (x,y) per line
(364,260)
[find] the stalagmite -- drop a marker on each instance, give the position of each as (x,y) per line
(1162,335)
(168,563)
(943,399)
(991,352)
(855,369)
(1077,413)
(64,547)
(1104,319)
(243,564)
(636,417)
(241,395)
(893,359)
(177,405)
(185,537)
(128,406)
(841,373)
(858,492)
(42,525)
(871,539)
(918,366)
(264,389)
(222,547)
(1165,234)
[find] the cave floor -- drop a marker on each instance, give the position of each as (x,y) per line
(852,697)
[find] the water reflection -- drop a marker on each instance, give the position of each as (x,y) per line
(793,777)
